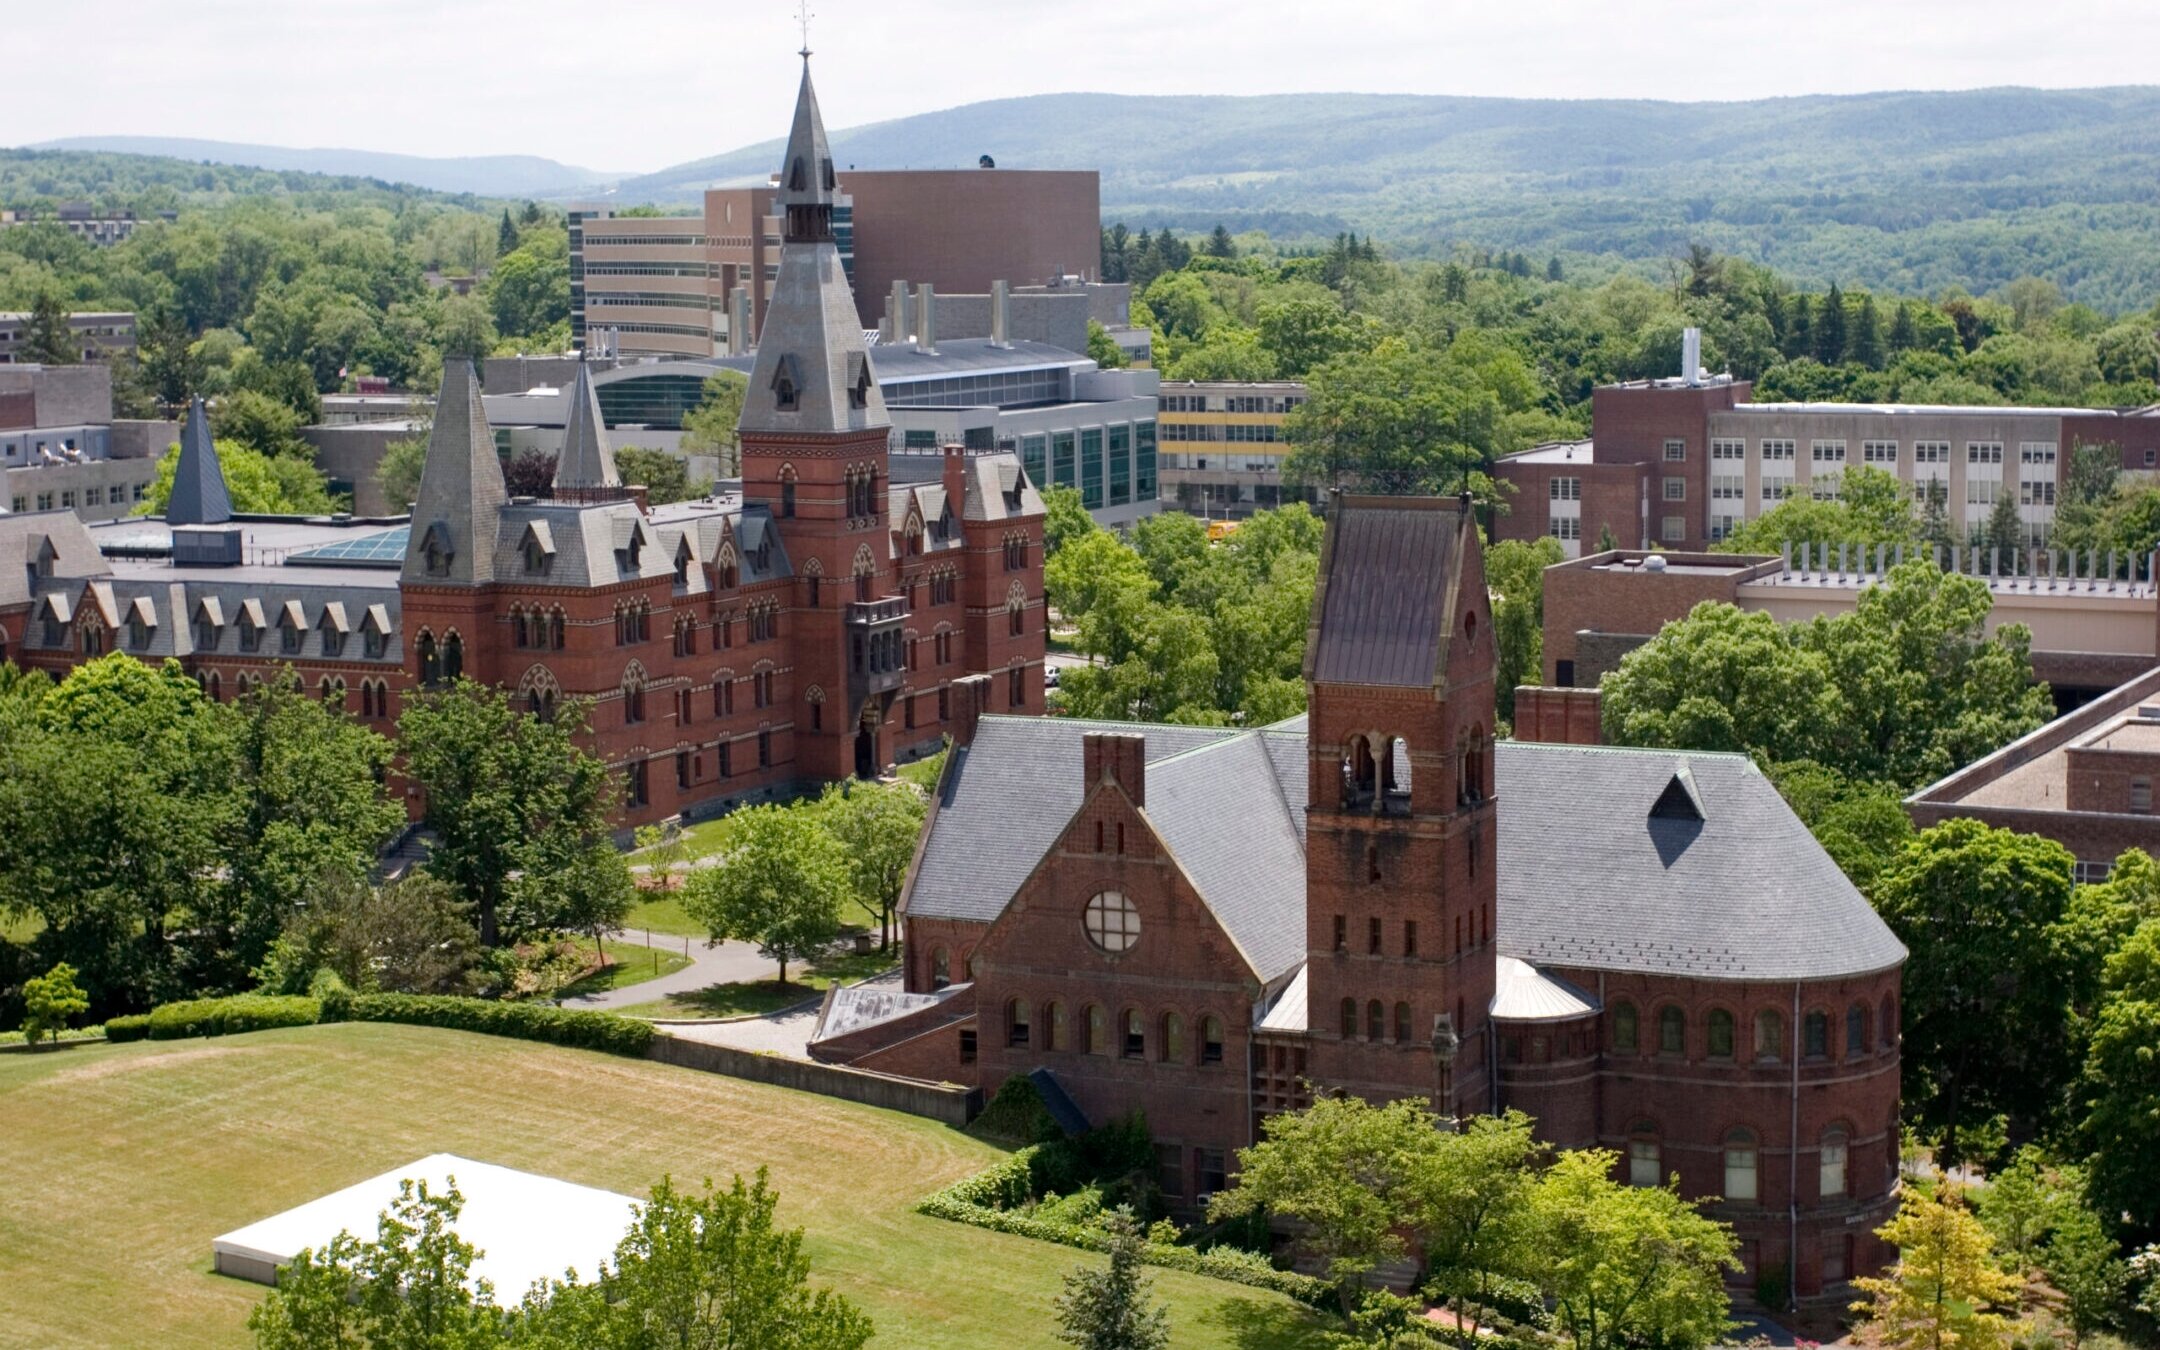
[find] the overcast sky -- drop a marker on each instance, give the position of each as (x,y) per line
(635,85)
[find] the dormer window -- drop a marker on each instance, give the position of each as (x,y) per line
(859,387)
(831,181)
(435,551)
(535,558)
(138,632)
(798,177)
(787,386)
(206,635)
(682,565)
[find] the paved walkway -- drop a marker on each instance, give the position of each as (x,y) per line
(710,963)
(782,1033)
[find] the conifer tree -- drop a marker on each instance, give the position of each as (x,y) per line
(506,235)
(1219,245)
(1866,346)
(1904,336)
(47,340)
(1110,1309)
(1830,328)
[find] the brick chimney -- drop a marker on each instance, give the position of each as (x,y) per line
(955,478)
(1118,756)
(969,697)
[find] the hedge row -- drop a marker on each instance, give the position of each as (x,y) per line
(525,1021)
(230,1016)
(258,1012)
(978,1201)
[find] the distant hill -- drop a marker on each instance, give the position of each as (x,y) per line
(1913,191)
(481,175)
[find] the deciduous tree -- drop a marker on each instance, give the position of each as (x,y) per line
(1628,1265)
(877,826)
(49,1000)
(780,886)
(1938,1294)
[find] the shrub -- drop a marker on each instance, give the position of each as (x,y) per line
(231,1016)
(132,1027)
(332,993)
(989,1200)
(525,1021)
(1016,1114)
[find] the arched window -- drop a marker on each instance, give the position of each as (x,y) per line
(1672,1032)
(1625,1033)
(453,657)
(1831,1180)
(1211,1039)
(633,695)
(1887,1028)
(1769,1034)
(1720,1027)
(1135,1045)
(1349,1018)
(430,663)
(1054,1027)
(1856,1037)
(1172,1048)
(1016,1022)
(940,968)
(1646,1161)
(1098,1030)
(1402,1022)
(555,629)
(1815,1035)
(1740,1166)
(1375,1021)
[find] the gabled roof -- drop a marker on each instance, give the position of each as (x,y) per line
(1009,795)
(1385,603)
(997,489)
(198,491)
(462,495)
(587,461)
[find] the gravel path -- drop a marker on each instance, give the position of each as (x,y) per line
(710,963)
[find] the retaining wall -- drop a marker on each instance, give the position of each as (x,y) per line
(946,1102)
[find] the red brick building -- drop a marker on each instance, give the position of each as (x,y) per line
(1644,949)
(813,624)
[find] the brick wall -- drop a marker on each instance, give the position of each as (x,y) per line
(1562,715)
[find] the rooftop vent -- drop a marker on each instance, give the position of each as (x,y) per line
(2149,712)
(1678,801)
(205,546)
(1654,563)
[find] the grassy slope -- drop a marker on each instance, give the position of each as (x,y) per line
(628,963)
(123,1162)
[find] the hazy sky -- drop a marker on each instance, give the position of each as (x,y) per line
(634,85)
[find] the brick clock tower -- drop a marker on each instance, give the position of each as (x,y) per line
(814,451)
(1401,816)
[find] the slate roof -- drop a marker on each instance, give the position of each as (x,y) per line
(198,491)
(461,495)
(1212,794)
(1385,604)
(1588,877)
(587,460)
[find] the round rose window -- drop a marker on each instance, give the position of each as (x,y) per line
(1112,922)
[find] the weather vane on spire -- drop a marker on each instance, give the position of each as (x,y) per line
(803,17)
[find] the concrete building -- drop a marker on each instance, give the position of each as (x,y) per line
(2090,630)
(61,449)
(1645,950)
(99,229)
(2084,780)
(1223,445)
(98,334)
(824,618)
(665,286)
(1680,462)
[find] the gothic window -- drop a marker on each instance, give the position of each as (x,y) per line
(785,386)
(1016,610)
(633,692)
(430,663)
(787,493)
(636,788)
(453,657)
(859,387)
(555,629)
(798,177)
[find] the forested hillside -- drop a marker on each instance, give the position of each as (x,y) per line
(1905,192)
(500,175)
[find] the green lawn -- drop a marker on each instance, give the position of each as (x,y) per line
(765,996)
(663,913)
(628,963)
(124,1161)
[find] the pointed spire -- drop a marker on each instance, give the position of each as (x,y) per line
(459,511)
(806,173)
(813,373)
(198,491)
(586,466)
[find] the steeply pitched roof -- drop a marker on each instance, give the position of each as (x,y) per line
(198,491)
(1590,877)
(1385,603)
(587,461)
(1010,794)
(812,338)
(462,494)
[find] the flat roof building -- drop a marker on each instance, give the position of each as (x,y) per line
(665,286)
(98,333)
(1223,444)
